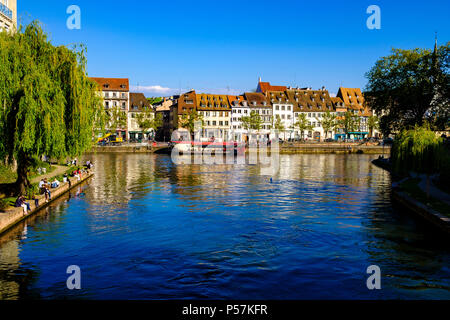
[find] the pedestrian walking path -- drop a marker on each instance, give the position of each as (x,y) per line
(435,192)
(59,170)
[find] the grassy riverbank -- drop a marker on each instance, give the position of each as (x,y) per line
(7,175)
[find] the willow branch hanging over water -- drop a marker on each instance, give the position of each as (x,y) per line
(48,104)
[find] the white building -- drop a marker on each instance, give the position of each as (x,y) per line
(8,15)
(283,109)
(116,95)
(239,109)
(139,105)
(314,104)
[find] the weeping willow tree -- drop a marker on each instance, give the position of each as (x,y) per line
(48,104)
(419,150)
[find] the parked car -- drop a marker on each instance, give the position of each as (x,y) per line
(329,140)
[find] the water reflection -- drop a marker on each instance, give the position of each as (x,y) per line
(147,228)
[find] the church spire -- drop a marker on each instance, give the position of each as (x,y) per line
(435,42)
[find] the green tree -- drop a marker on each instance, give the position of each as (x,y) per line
(410,86)
(419,150)
(147,120)
(328,121)
(117,119)
(278,125)
(187,121)
(155,100)
(303,124)
(253,122)
(373,124)
(246,122)
(348,123)
(48,104)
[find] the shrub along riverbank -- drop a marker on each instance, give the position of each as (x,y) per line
(420,162)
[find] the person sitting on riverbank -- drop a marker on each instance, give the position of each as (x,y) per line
(20,202)
(55,183)
(77,174)
(89,165)
(44,188)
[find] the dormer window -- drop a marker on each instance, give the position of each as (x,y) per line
(123,86)
(106,85)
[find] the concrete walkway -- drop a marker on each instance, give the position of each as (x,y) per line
(435,192)
(58,171)
(13,215)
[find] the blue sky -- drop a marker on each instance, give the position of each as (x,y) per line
(224,46)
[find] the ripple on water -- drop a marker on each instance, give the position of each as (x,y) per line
(147,228)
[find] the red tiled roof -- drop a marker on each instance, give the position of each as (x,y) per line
(113,84)
(265,86)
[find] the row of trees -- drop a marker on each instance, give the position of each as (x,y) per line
(147,120)
(329,121)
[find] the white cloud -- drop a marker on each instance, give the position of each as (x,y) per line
(155,90)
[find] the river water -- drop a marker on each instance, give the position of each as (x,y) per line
(146,228)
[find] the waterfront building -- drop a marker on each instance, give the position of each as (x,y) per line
(116,97)
(239,108)
(258,103)
(8,15)
(139,105)
(340,109)
(283,109)
(163,108)
(354,102)
(314,104)
(216,114)
(185,104)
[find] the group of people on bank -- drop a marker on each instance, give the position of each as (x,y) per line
(45,188)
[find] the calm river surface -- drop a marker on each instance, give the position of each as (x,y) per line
(145,228)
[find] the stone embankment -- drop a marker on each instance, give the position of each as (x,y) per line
(12,216)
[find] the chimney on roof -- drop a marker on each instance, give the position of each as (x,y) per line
(259,79)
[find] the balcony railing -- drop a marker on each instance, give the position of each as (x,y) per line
(6,11)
